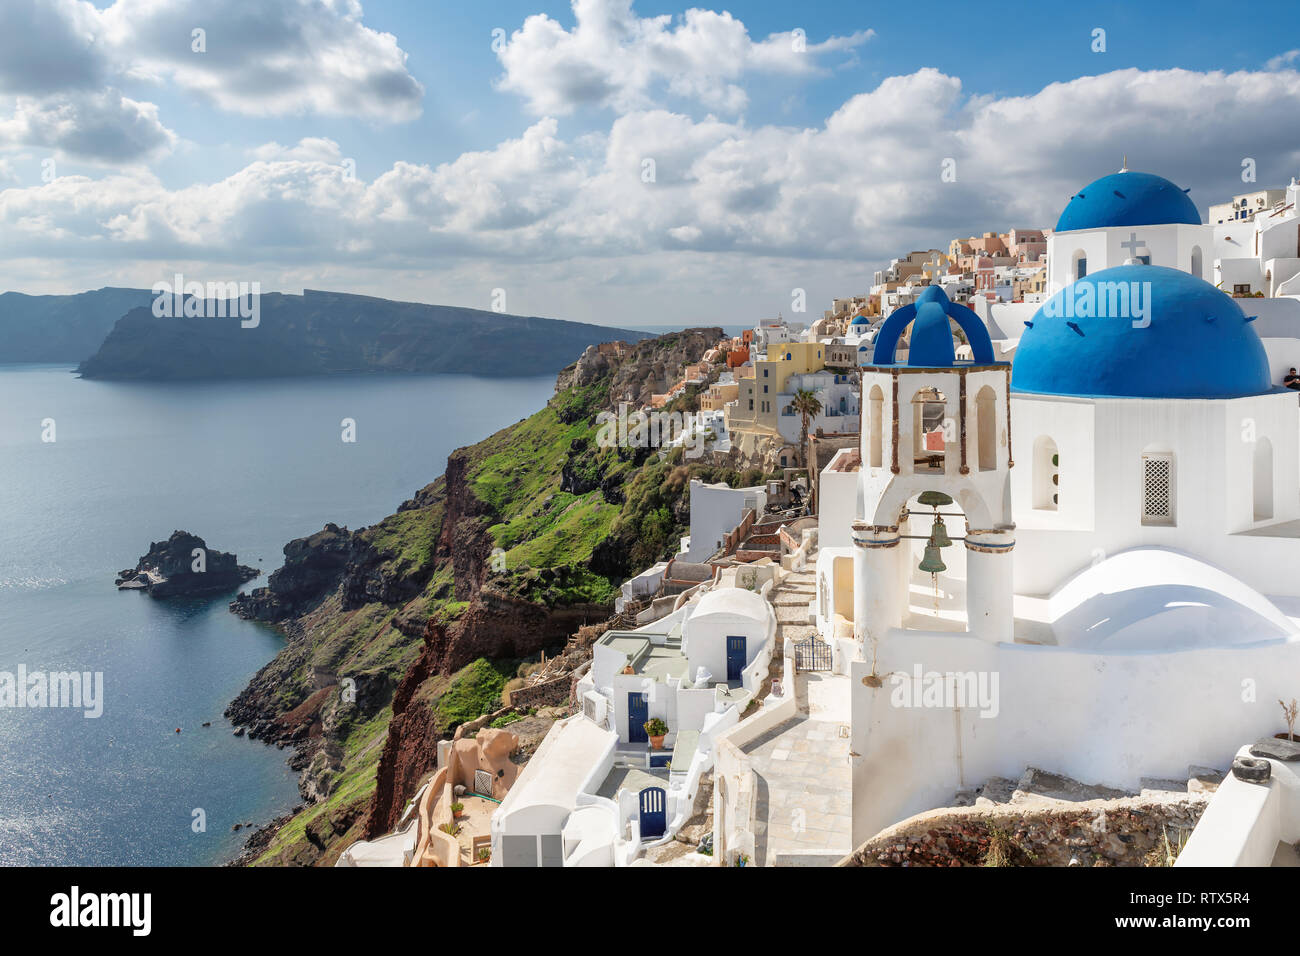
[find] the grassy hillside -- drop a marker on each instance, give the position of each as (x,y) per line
(573,520)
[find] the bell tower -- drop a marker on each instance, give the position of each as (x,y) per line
(935,477)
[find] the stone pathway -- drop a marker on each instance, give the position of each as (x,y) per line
(803,814)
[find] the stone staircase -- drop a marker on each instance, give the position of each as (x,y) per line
(791,600)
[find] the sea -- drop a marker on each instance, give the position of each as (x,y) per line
(91,473)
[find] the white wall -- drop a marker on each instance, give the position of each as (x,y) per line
(1100,718)
(1101,495)
(716,510)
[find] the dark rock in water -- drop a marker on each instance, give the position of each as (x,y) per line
(184,566)
(1251,770)
(1276,748)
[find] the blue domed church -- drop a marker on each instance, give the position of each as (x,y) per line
(1106,529)
(1128,215)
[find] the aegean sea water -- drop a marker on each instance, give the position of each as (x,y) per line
(247,465)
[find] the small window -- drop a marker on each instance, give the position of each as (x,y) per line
(1158,489)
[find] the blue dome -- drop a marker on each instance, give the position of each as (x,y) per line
(931,342)
(1128,199)
(1179,338)
(860,320)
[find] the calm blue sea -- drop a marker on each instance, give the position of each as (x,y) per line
(245,465)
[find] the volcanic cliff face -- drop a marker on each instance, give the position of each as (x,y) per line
(398,633)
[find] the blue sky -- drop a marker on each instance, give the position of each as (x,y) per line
(521,167)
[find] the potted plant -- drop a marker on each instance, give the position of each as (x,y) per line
(656,730)
(457,810)
(451,829)
(1289,714)
(484,854)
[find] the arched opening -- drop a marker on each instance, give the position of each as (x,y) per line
(1159,486)
(1078,264)
(1263,475)
(1197,263)
(877,402)
(1046,474)
(929,429)
(986,429)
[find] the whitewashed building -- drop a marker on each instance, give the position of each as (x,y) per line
(1096,572)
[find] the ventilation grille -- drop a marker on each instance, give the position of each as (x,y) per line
(1157,499)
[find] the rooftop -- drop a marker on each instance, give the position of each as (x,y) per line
(656,656)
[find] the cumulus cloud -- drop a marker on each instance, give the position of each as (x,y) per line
(663,200)
(613,58)
(63,64)
(102,126)
(266,59)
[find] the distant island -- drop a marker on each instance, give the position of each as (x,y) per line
(184,566)
(322,333)
(61,329)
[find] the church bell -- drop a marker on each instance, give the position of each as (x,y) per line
(931,563)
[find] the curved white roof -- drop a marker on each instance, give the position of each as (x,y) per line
(1149,599)
(733,601)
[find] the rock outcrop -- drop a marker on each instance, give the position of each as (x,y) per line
(184,566)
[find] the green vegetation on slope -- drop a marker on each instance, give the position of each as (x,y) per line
(573,519)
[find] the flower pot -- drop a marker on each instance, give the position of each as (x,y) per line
(657,743)
(1285,736)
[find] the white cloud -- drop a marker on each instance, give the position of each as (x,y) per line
(784,205)
(266,59)
(311,149)
(63,62)
(615,59)
(1283,60)
(102,126)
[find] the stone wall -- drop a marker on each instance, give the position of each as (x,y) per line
(1092,833)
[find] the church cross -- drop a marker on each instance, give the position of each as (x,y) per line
(934,261)
(1132,245)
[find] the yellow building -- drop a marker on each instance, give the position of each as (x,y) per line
(756,401)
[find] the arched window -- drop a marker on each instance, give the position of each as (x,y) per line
(877,400)
(1263,474)
(1079,264)
(1197,265)
(1046,476)
(929,429)
(1159,486)
(986,430)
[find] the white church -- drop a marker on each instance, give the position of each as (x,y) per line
(1097,569)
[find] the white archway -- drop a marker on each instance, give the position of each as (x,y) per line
(1078,264)
(1198,265)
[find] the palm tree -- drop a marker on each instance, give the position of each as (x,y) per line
(807,406)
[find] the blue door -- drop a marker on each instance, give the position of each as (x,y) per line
(735,657)
(654,816)
(638,709)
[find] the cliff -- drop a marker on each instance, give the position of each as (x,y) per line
(398,633)
(320,333)
(61,328)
